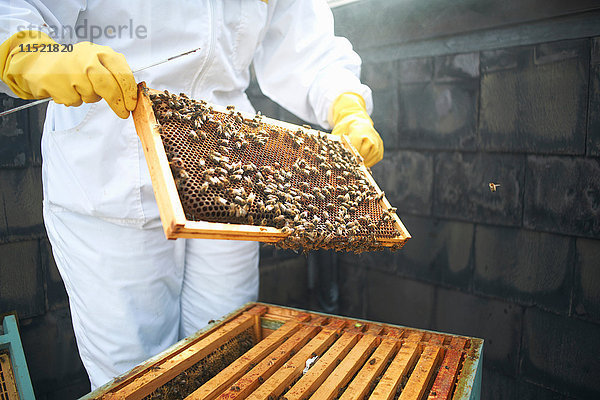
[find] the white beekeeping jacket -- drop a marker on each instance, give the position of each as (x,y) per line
(93,162)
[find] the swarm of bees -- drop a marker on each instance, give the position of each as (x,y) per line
(233,169)
(195,376)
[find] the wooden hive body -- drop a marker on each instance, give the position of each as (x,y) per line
(270,352)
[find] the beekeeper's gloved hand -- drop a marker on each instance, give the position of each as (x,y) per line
(87,74)
(348,116)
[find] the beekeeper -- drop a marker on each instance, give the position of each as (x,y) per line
(133,293)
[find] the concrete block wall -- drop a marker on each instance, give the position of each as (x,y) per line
(519,267)
(29,280)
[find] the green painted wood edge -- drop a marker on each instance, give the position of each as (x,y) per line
(11,340)
(470,387)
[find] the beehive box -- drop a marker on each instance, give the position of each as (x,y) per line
(224,174)
(15,383)
(271,352)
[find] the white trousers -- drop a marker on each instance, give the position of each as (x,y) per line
(132,293)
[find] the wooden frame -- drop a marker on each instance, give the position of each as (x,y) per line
(353,359)
(176,225)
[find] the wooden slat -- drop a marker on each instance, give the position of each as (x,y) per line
(444,382)
(171,367)
(165,191)
(384,203)
(423,372)
(216,230)
(362,383)
(292,369)
(235,370)
(407,355)
(348,367)
(251,380)
(469,378)
(317,374)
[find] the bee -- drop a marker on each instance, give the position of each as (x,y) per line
(221,201)
(230,107)
(204,187)
(176,163)
(494,186)
(193,136)
(184,175)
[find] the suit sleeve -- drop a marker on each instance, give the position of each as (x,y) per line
(302,65)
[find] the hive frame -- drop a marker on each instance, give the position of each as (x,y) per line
(176,225)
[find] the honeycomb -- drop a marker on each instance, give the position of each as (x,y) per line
(229,168)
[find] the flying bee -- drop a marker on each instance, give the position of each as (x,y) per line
(494,186)
(230,107)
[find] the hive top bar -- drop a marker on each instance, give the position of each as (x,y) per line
(264,351)
(221,173)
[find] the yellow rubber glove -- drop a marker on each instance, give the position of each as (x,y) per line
(87,74)
(348,116)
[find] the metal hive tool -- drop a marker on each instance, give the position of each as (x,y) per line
(220,173)
(267,352)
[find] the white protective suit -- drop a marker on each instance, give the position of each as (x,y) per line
(133,293)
